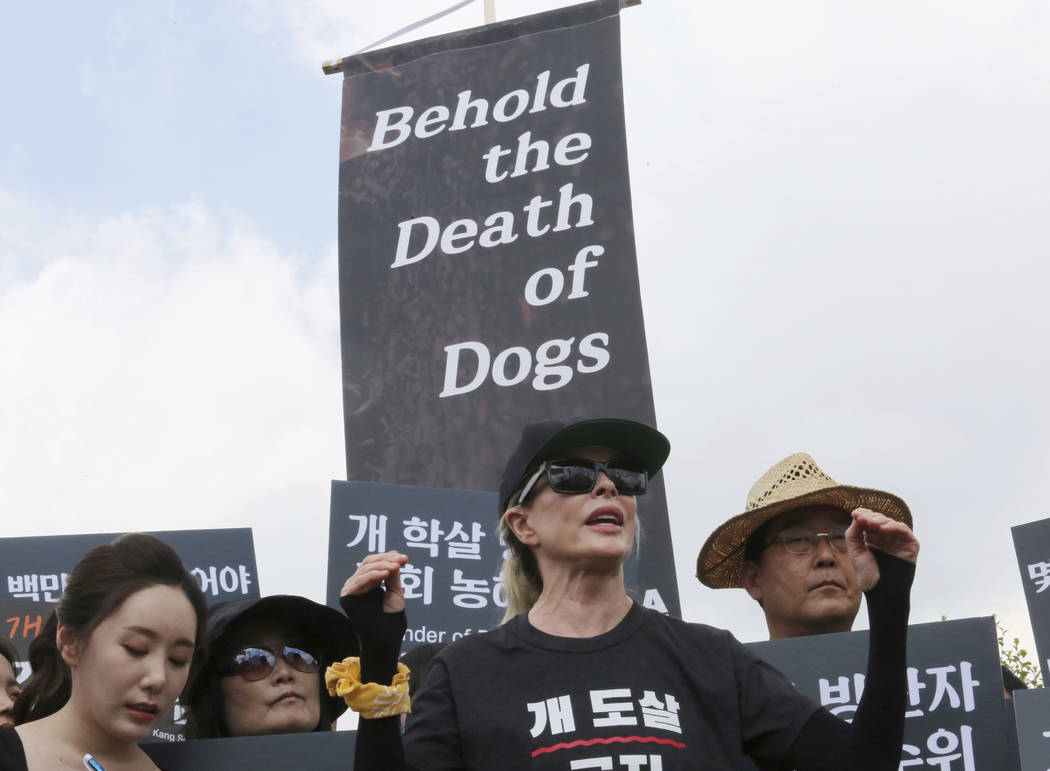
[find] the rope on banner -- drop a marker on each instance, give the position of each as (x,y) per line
(336,65)
(333,66)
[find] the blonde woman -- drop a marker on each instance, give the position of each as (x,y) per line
(582,677)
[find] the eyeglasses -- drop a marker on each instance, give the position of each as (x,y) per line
(805,541)
(256,663)
(572,476)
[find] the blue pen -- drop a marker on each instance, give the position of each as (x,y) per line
(91,764)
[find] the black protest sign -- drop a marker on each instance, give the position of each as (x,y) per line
(1032,546)
(452,582)
(322,751)
(22,621)
(1032,711)
(35,570)
(487,268)
(955,719)
(223,562)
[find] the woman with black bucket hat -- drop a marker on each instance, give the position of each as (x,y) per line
(582,677)
(262,668)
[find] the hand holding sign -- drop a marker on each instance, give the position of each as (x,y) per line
(870,529)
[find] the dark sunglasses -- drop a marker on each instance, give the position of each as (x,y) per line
(572,476)
(256,663)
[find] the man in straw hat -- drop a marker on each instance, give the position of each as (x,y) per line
(797,552)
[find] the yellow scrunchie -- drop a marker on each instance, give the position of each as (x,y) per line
(370,700)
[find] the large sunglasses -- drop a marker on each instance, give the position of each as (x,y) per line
(572,476)
(256,663)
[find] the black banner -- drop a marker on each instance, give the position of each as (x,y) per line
(34,570)
(23,619)
(487,270)
(326,751)
(1032,711)
(956,719)
(1032,545)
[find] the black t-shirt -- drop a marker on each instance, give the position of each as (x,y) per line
(654,693)
(12,756)
(659,695)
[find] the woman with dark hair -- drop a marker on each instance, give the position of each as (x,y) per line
(261,670)
(585,678)
(9,689)
(110,660)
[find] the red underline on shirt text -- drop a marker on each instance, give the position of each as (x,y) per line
(608,740)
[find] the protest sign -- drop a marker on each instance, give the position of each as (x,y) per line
(487,269)
(22,621)
(955,719)
(1032,546)
(1032,711)
(452,582)
(223,562)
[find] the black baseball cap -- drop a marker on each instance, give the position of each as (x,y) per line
(542,439)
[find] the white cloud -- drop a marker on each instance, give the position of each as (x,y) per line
(169,369)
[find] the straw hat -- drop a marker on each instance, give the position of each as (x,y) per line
(795,482)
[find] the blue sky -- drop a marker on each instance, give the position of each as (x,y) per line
(136,104)
(841,219)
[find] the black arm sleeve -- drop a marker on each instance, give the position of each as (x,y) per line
(873,741)
(378,746)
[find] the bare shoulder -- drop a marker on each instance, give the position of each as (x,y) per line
(40,745)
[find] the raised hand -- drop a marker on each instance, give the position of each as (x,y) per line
(383,571)
(872,530)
